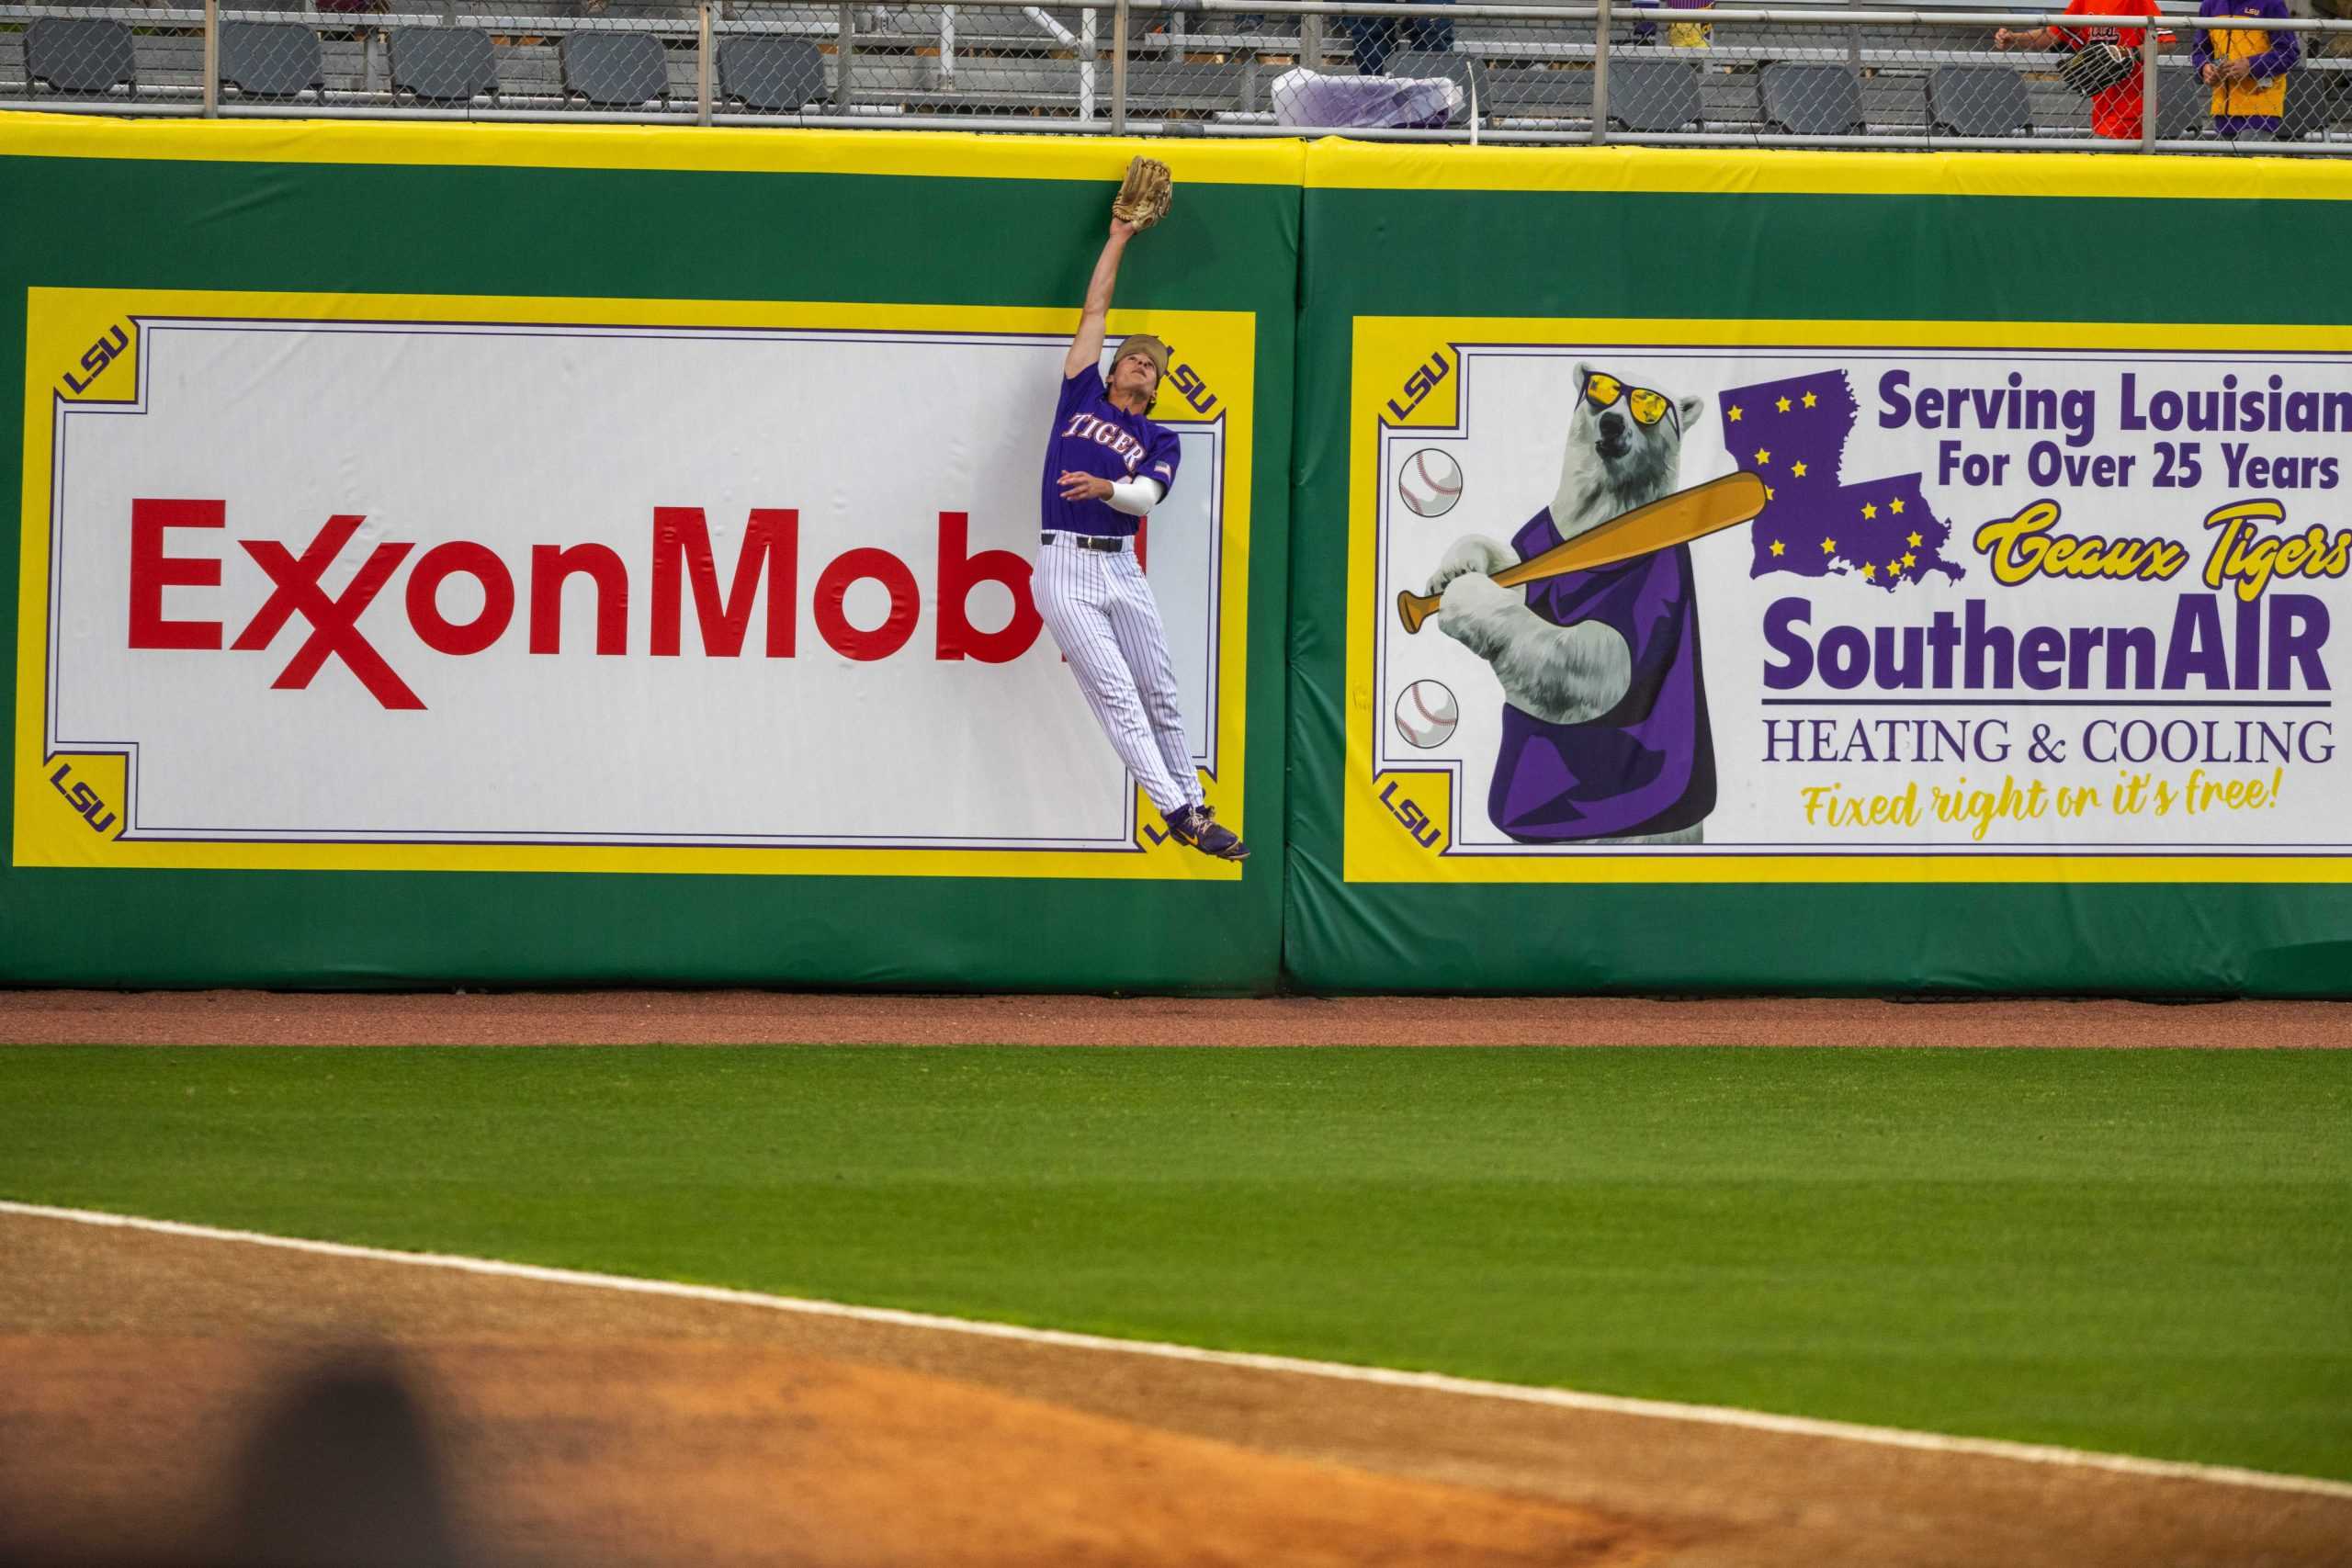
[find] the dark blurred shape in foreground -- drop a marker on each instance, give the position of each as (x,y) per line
(339,1470)
(342,1474)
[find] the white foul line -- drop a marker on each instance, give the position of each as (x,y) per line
(1438,1383)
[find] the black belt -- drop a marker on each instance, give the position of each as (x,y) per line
(1087,541)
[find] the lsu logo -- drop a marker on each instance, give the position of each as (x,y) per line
(1424,380)
(96,358)
(1195,391)
(83,799)
(1416,821)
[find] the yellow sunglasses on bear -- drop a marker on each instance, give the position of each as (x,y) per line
(1646,405)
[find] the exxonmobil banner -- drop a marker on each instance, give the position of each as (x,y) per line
(415,582)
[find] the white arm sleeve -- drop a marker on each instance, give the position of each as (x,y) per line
(1135,497)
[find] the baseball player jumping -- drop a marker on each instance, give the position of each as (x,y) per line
(1106,467)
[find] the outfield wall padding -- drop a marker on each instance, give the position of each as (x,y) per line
(597,555)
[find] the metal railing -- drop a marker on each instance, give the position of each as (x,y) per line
(1667,73)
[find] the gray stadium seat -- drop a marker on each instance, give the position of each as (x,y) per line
(615,70)
(2313,100)
(1655,94)
(444,65)
(1810,100)
(1977,100)
(771,75)
(271,60)
(2184,105)
(1465,72)
(79,55)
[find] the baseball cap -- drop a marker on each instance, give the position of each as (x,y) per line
(1150,347)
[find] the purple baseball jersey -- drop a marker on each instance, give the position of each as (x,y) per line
(1648,764)
(1093,435)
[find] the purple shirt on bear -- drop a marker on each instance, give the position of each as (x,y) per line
(1648,764)
(1095,435)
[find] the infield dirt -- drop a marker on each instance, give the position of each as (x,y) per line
(583,1426)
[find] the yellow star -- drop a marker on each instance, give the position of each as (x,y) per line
(1869,510)
(1869,571)
(1762,455)
(1894,568)
(1797,469)
(1828,546)
(1896,506)
(1910,559)
(1782,405)
(1734,413)
(1779,548)
(1767,492)
(1912,541)
(1810,399)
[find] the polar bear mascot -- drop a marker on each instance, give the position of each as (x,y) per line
(1605,736)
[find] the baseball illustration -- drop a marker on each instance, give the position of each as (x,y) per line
(1426,713)
(1430,482)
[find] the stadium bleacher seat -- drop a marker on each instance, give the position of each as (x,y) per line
(1655,94)
(271,61)
(1809,100)
(615,70)
(444,65)
(1158,88)
(1895,102)
(768,74)
(1538,93)
(79,56)
(1977,100)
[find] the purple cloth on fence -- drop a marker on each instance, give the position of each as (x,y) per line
(1648,764)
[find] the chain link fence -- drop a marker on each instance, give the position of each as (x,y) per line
(1667,71)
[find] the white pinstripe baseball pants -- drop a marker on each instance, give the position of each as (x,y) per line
(1101,611)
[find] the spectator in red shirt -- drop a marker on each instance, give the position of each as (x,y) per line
(2115,111)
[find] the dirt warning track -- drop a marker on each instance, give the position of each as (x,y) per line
(759,1018)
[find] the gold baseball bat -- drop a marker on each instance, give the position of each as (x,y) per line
(1677,519)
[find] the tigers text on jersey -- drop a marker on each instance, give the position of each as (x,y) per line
(1093,436)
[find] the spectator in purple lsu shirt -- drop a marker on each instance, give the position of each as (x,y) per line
(2246,67)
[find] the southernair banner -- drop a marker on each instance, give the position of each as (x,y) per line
(2070,612)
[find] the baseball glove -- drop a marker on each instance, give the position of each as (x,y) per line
(1143,198)
(2096,67)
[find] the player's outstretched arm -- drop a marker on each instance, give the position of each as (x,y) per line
(1086,347)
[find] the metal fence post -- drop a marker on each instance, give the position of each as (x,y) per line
(845,52)
(702,67)
(212,58)
(844,55)
(1600,75)
(1310,41)
(1090,52)
(2148,86)
(1119,68)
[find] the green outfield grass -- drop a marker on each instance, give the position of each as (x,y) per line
(2145,1252)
